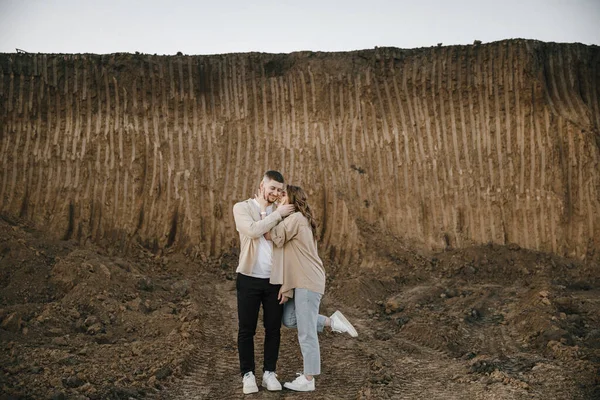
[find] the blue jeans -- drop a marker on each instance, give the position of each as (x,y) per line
(302,313)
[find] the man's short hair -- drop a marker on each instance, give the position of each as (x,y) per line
(274,175)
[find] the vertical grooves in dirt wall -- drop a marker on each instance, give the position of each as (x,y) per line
(445,146)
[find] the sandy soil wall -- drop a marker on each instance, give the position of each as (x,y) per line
(444,146)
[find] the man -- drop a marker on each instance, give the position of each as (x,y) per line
(253,218)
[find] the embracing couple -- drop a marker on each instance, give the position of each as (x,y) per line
(280,268)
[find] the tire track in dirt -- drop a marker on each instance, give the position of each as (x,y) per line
(403,368)
(213,366)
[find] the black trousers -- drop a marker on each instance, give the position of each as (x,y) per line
(251,293)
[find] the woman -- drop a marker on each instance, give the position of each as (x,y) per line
(303,284)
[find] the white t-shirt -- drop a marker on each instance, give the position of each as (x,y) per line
(264,259)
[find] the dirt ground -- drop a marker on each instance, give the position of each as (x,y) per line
(492,322)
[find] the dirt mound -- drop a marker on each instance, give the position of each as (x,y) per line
(492,321)
(77,321)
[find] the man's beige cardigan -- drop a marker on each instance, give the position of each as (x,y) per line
(251,228)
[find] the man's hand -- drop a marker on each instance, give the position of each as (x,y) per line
(285,209)
(282,299)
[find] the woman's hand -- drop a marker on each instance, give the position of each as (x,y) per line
(261,197)
(282,299)
(285,210)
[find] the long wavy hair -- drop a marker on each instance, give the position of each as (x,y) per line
(297,196)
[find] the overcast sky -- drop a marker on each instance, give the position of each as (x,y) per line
(284,26)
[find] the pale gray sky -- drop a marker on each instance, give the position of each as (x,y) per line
(283,26)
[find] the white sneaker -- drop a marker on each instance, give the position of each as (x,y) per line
(340,324)
(249,383)
(270,381)
(301,384)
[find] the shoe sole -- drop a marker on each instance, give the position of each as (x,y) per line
(271,390)
(250,391)
(297,390)
(341,317)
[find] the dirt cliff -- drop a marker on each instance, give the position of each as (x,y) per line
(442,147)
